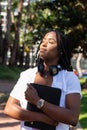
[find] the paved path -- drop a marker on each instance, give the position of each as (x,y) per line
(7,123)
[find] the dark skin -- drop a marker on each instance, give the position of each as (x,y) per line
(14,110)
(68,115)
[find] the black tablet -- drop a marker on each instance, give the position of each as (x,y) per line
(49,94)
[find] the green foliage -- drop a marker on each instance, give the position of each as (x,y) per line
(69,16)
(83,114)
(82,80)
(11,73)
(41,16)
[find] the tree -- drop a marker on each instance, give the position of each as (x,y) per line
(1,36)
(34,19)
(15,48)
(6,40)
(1,39)
(68,15)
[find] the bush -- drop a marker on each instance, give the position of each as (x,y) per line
(10,73)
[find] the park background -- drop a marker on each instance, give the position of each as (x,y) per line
(23,23)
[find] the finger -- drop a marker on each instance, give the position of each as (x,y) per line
(29,86)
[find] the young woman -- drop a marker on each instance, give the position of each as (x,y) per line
(53,70)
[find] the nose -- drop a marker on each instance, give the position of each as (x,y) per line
(44,43)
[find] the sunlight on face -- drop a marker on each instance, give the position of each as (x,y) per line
(48,47)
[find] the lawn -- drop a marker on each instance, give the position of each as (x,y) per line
(83,113)
(10,73)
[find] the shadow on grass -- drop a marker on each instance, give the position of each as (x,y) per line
(84,123)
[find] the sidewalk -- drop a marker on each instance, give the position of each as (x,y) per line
(7,123)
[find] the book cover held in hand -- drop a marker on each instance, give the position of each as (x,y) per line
(49,94)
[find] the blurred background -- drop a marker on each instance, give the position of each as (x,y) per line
(23,23)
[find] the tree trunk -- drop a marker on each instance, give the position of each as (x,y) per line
(6,41)
(78,66)
(1,44)
(15,50)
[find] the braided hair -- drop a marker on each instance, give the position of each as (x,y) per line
(64,46)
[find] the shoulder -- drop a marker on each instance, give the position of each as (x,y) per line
(72,82)
(29,71)
(26,76)
(66,76)
(70,75)
(70,78)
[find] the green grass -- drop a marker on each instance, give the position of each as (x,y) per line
(83,114)
(82,80)
(9,73)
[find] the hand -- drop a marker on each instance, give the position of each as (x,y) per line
(31,94)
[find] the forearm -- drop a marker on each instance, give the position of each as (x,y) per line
(15,111)
(19,113)
(60,114)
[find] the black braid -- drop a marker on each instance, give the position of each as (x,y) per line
(65,47)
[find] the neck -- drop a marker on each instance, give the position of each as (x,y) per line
(47,64)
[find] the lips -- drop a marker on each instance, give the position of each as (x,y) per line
(42,50)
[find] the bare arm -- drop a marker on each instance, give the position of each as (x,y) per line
(68,115)
(14,110)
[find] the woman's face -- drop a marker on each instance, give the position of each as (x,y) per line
(48,47)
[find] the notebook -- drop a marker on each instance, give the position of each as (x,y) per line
(50,94)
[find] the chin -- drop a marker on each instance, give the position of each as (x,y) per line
(42,58)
